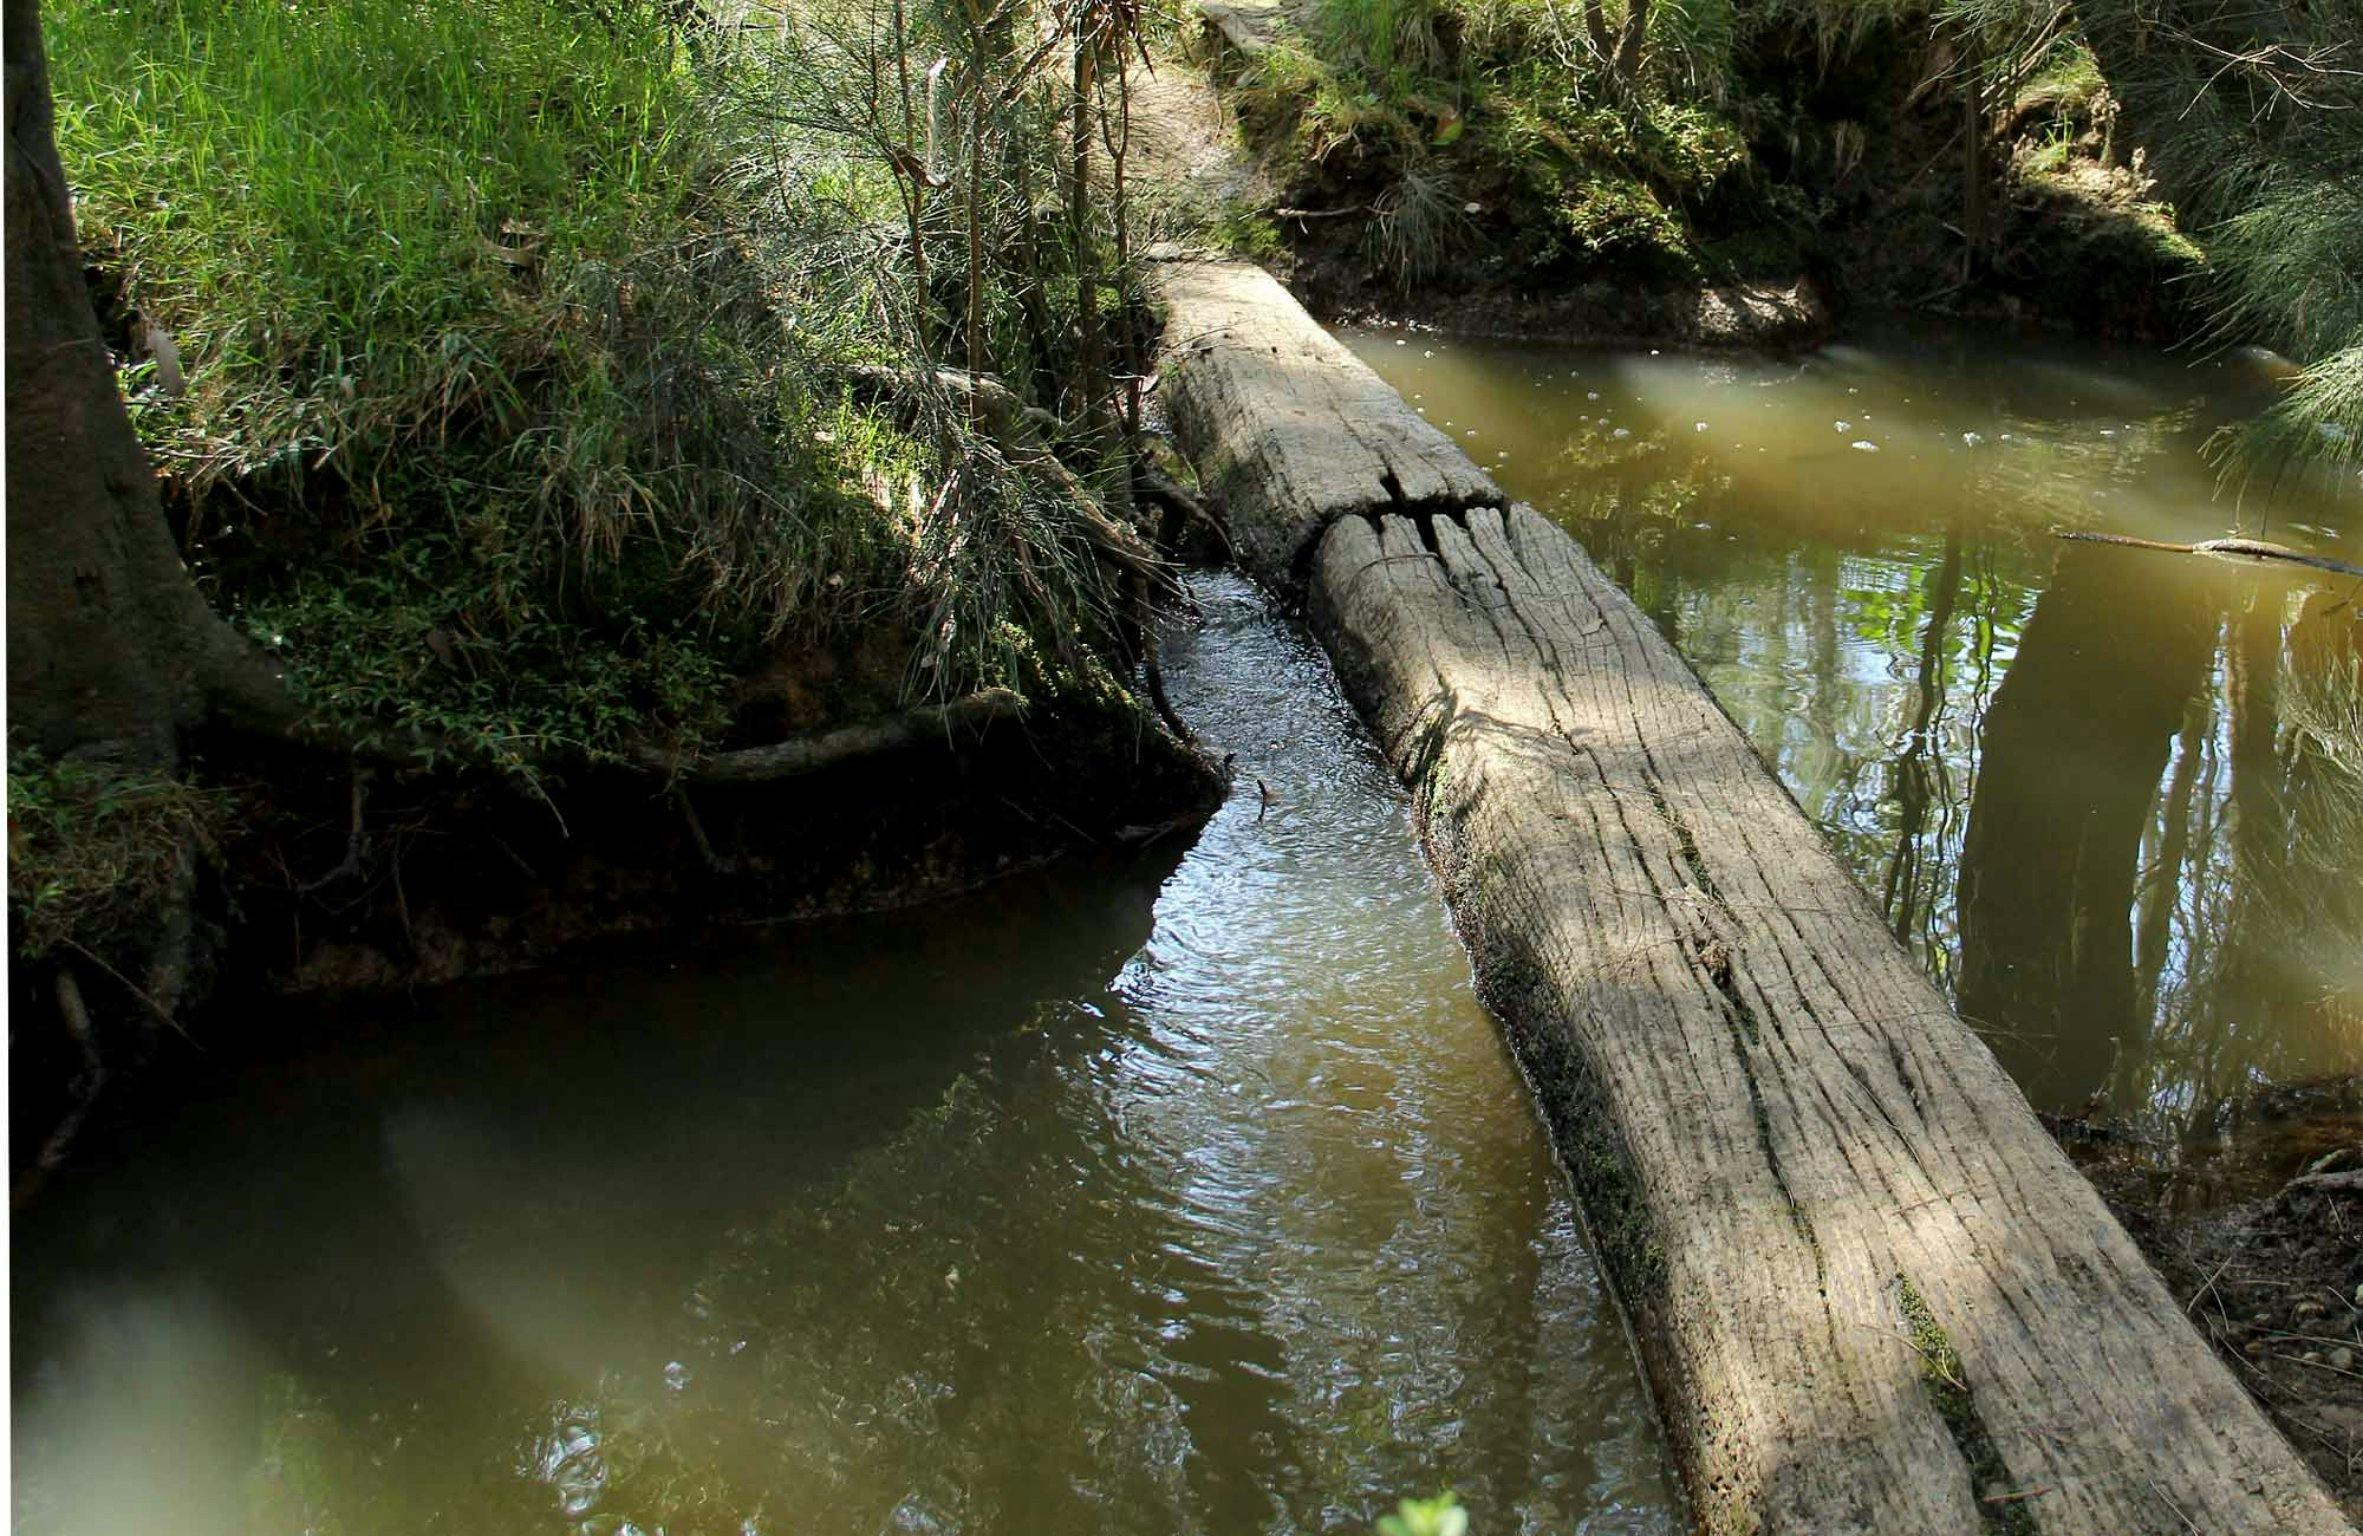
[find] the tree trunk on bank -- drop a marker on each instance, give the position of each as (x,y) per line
(113,655)
(112,652)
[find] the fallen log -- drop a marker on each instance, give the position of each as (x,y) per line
(1871,1293)
(1282,460)
(1250,26)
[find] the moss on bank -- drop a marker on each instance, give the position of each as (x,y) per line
(1425,149)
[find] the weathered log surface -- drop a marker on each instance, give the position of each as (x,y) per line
(1288,430)
(1247,25)
(1872,1294)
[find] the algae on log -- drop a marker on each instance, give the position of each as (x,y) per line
(1872,1293)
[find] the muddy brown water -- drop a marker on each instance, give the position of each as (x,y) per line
(1189,1193)
(2113,799)
(1193,1192)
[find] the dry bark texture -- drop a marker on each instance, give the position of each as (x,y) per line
(1288,430)
(1873,1295)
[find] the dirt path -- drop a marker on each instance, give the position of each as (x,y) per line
(1184,141)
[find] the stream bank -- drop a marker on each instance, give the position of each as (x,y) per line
(1482,171)
(1180,1189)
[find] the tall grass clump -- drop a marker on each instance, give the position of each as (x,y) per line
(508,381)
(458,383)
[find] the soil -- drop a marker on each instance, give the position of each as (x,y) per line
(1768,317)
(2263,1245)
(442,877)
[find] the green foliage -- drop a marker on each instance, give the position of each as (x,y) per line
(1439,1516)
(2252,121)
(1243,232)
(450,290)
(1432,107)
(2067,82)
(1416,222)
(1397,46)
(374,226)
(397,642)
(93,846)
(517,337)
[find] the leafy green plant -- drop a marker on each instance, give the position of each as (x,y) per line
(92,846)
(1439,1516)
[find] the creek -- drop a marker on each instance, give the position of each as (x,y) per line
(2111,798)
(1188,1192)
(1192,1191)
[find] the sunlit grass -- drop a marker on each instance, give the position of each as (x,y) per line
(498,426)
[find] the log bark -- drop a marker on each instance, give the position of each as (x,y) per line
(1872,1294)
(1288,430)
(1246,25)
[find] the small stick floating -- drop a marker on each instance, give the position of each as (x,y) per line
(2222,549)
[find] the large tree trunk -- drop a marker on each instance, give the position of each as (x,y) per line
(111,650)
(112,653)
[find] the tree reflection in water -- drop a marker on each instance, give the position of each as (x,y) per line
(2109,797)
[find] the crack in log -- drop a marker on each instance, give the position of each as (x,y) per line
(1945,1383)
(1589,807)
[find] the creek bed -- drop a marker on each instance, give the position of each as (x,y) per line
(2112,799)
(1192,1192)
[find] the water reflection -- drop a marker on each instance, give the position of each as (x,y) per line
(1188,1195)
(2111,798)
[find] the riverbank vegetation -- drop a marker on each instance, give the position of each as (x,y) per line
(2178,175)
(567,400)
(1710,143)
(605,398)
(545,383)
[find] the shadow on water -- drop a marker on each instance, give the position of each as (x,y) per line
(2113,799)
(1193,1193)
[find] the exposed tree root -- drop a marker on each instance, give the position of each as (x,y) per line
(863,738)
(1183,508)
(356,835)
(88,1084)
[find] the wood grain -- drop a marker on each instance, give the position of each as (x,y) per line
(1872,1294)
(1286,427)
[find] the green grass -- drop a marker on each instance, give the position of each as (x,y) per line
(93,848)
(326,203)
(515,415)
(468,349)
